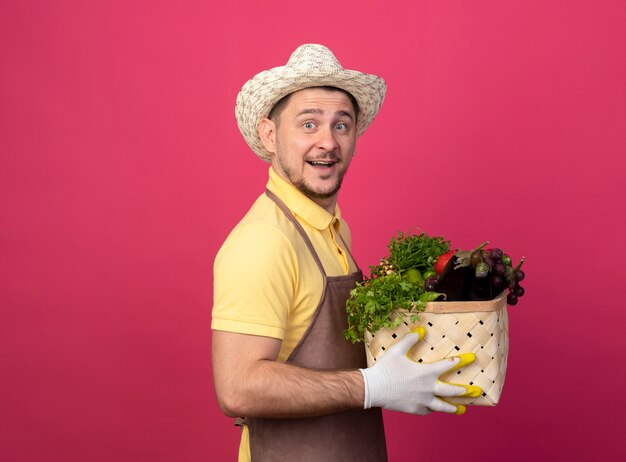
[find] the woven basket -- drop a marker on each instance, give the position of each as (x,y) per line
(453,328)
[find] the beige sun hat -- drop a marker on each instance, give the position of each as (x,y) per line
(310,65)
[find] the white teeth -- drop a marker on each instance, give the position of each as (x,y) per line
(320,163)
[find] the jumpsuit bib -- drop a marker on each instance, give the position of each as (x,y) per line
(356,435)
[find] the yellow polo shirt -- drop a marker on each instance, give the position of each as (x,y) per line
(265,280)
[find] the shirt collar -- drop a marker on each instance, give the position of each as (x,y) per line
(299,204)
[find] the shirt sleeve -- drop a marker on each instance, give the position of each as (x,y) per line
(255,273)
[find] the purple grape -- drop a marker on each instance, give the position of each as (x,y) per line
(519,275)
(499,268)
(511,299)
(497,254)
(519,291)
(489,261)
(498,282)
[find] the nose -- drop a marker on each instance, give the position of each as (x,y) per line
(326,139)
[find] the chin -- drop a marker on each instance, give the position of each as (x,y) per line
(320,193)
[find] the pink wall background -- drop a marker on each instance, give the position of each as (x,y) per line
(122,170)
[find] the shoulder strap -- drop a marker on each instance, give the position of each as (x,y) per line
(281,205)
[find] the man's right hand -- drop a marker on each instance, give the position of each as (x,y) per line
(398,383)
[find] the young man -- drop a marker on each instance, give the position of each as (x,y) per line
(284,274)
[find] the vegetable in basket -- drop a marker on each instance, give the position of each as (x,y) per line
(395,284)
(421,269)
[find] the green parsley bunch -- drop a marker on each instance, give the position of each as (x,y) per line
(372,301)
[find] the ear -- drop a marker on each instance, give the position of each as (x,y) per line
(267,133)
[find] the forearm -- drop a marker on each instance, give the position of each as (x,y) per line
(273,389)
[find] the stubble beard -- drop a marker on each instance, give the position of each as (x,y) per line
(302,186)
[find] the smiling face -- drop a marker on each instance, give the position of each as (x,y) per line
(312,142)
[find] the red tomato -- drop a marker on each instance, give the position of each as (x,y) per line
(442,261)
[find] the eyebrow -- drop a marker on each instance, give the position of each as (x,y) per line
(319,112)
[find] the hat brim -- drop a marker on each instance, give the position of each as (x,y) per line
(259,95)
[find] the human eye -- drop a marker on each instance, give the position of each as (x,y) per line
(343,126)
(308,125)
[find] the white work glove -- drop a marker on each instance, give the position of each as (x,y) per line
(398,383)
